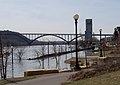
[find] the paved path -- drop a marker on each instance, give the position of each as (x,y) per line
(51,79)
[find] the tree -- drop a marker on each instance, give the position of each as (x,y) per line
(57,49)
(43,53)
(20,51)
(60,49)
(40,52)
(4,53)
(37,54)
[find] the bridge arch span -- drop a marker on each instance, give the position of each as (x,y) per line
(49,35)
(74,39)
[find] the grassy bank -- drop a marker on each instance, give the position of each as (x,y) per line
(112,78)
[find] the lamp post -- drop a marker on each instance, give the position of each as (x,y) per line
(12,62)
(48,53)
(100,44)
(77,67)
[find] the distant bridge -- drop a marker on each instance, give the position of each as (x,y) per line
(32,36)
(67,38)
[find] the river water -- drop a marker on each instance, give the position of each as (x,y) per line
(23,65)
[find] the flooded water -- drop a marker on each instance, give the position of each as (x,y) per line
(23,65)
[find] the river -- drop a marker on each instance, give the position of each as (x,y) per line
(23,65)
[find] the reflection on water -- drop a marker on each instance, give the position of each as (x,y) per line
(23,65)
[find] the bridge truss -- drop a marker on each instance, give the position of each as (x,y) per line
(64,37)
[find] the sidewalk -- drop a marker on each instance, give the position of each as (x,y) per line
(49,79)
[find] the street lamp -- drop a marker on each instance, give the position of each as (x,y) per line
(100,44)
(77,67)
(12,62)
(48,52)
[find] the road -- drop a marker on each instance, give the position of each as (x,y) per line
(49,79)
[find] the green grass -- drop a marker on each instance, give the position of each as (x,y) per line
(112,78)
(14,80)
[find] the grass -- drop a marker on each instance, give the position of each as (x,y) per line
(112,78)
(14,80)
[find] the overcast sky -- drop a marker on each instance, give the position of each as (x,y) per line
(56,16)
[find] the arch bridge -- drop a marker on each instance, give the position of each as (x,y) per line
(65,38)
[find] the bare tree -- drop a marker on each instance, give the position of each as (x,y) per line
(40,52)
(37,54)
(60,49)
(4,53)
(20,51)
(57,49)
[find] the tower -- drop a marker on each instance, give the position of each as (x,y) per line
(88,36)
(88,32)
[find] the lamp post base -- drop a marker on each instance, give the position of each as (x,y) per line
(77,68)
(101,53)
(101,56)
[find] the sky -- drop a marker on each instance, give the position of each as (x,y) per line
(56,16)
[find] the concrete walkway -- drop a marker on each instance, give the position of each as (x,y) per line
(48,79)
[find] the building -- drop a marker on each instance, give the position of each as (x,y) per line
(88,32)
(88,36)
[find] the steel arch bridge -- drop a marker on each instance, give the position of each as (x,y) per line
(67,38)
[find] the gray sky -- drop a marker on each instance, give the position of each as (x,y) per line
(56,16)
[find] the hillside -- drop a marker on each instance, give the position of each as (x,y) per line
(112,78)
(10,38)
